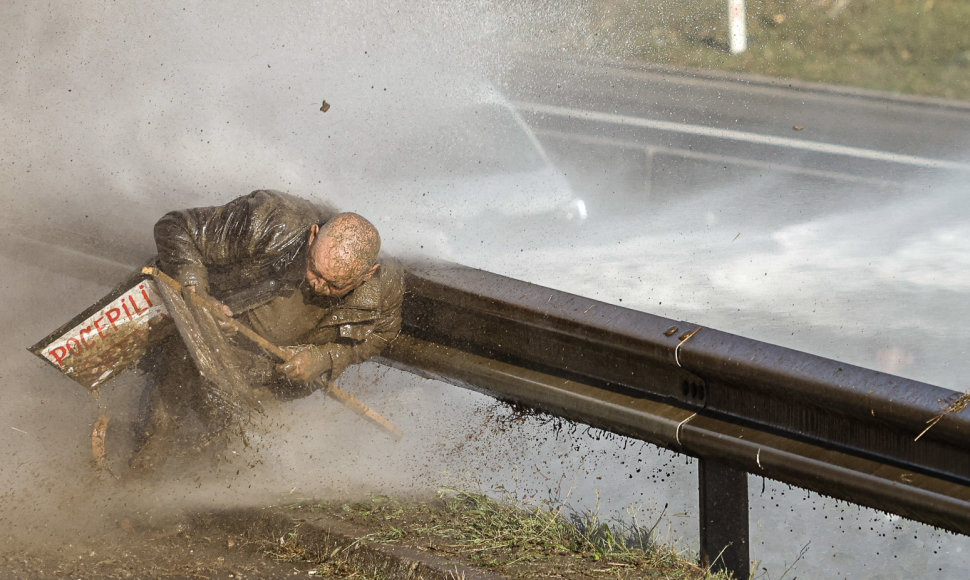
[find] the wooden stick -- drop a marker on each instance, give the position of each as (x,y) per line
(98,433)
(351,402)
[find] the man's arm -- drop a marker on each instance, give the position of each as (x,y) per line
(356,342)
(258,232)
(344,353)
(191,241)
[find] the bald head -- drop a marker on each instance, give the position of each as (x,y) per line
(343,254)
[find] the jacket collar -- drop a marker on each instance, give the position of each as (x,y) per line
(367,296)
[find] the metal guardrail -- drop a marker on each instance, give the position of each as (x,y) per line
(738,405)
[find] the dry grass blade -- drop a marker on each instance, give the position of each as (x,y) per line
(961,403)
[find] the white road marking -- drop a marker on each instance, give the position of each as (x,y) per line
(743,136)
(689,154)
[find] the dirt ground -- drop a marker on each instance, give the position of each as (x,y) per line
(329,540)
(178,551)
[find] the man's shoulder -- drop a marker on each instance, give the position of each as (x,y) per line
(286,207)
(391,275)
(391,267)
(385,287)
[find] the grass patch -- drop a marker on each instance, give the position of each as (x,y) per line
(907,46)
(514,540)
(292,548)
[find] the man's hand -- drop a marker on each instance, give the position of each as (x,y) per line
(189,291)
(305,363)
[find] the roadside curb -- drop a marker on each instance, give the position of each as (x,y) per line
(327,538)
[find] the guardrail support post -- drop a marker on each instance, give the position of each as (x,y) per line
(723,499)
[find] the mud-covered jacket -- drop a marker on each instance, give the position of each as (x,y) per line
(254,249)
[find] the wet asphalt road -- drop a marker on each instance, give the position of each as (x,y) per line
(744,126)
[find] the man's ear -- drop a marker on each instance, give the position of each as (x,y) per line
(314,230)
(372,271)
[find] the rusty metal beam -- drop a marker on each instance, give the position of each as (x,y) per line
(931,500)
(805,397)
(751,406)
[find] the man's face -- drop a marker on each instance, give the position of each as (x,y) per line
(327,270)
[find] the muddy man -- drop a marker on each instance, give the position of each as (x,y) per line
(300,274)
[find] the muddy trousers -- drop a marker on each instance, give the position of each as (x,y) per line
(174,395)
(178,394)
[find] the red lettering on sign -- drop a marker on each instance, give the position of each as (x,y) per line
(82,338)
(58,353)
(145,294)
(113,314)
(135,305)
(68,344)
(98,326)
